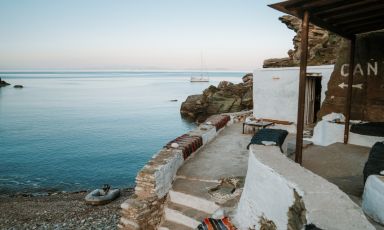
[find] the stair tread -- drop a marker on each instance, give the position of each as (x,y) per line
(174,226)
(199,187)
(188,211)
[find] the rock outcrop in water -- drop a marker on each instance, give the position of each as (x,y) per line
(225,98)
(3,83)
(324,46)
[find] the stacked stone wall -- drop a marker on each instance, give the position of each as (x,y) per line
(145,209)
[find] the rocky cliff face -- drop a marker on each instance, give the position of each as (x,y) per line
(324,46)
(226,97)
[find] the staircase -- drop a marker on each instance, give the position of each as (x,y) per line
(185,211)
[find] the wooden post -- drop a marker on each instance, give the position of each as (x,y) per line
(303,75)
(348,100)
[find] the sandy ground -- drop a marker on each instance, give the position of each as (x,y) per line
(59,211)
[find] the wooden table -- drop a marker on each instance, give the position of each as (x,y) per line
(258,124)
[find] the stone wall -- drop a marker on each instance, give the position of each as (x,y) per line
(368,84)
(141,213)
(153,182)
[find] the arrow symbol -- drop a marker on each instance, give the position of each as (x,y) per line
(343,85)
(357,86)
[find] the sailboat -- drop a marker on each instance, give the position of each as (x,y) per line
(200,78)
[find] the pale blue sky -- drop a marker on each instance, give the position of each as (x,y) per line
(140,34)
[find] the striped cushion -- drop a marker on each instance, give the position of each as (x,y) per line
(216,224)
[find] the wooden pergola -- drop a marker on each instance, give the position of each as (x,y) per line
(346,18)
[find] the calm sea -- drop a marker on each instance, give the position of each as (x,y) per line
(69,131)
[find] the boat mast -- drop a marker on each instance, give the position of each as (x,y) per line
(201,63)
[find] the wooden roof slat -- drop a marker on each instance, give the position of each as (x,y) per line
(353,27)
(358,13)
(366,29)
(336,30)
(326,12)
(322,6)
(343,17)
(305,5)
(357,21)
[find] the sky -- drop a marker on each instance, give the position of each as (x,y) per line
(140,34)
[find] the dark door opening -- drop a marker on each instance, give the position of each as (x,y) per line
(312,97)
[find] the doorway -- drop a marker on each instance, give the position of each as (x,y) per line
(312,97)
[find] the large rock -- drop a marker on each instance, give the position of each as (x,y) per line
(225,98)
(323,47)
(368,82)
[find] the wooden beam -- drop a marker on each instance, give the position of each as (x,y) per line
(357,21)
(301,101)
(348,100)
(358,13)
(361,26)
(322,6)
(365,29)
(341,7)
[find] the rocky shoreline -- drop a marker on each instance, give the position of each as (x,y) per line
(59,210)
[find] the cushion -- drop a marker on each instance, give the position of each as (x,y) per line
(375,162)
(370,129)
(263,136)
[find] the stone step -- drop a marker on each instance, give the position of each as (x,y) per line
(179,218)
(193,202)
(170,225)
(189,212)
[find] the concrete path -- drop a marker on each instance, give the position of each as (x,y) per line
(225,156)
(189,203)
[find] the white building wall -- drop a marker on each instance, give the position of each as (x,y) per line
(276,91)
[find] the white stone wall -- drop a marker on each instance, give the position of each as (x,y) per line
(269,186)
(206,132)
(266,194)
(166,173)
(276,91)
(373,198)
(327,133)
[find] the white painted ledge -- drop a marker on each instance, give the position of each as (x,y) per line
(373,198)
(268,192)
(327,133)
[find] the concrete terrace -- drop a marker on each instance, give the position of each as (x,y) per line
(226,156)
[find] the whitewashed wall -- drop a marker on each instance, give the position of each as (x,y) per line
(327,133)
(276,91)
(270,183)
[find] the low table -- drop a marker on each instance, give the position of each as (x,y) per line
(258,124)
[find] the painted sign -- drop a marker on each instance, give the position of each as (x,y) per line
(370,68)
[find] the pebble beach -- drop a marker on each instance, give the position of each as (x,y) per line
(59,211)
